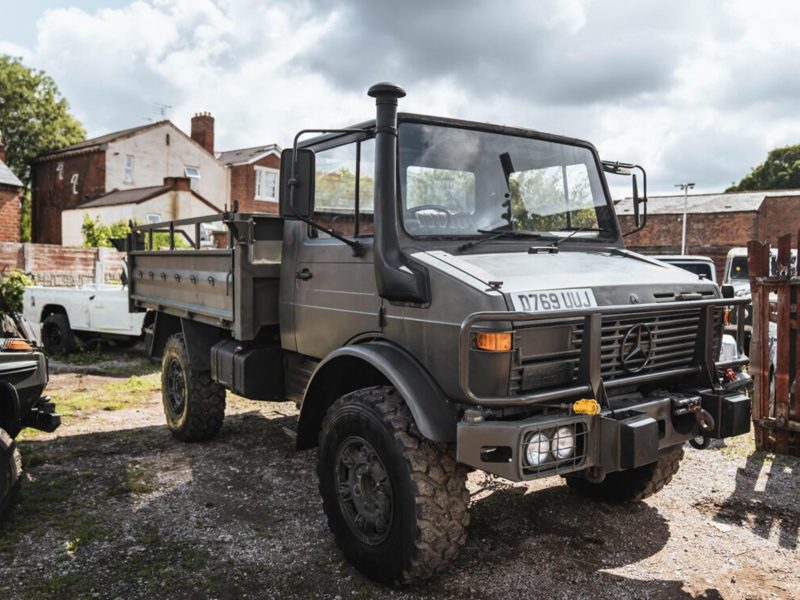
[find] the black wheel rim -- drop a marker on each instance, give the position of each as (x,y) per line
(364,490)
(176,389)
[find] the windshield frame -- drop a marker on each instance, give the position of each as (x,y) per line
(605,237)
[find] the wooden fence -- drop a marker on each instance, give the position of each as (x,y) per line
(775,298)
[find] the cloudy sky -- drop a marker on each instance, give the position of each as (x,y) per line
(694,90)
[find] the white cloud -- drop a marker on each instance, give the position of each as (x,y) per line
(692,90)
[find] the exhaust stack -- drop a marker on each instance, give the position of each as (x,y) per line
(398,278)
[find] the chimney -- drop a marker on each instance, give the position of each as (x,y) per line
(203,131)
(177,184)
(2,148)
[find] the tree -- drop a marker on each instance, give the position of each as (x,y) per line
(95,234)
(34,118)
(781,171)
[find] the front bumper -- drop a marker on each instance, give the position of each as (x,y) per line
(626,437)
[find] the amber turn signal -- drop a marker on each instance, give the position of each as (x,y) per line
(493,342)
(17,345)
(586,406)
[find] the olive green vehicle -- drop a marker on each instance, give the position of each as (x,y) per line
(23,377)
(439,296)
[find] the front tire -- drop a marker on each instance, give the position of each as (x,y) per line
(10,473)
(632,485)
(194,405)
(395,501)
(57,335)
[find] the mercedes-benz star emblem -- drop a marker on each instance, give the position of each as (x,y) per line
(637,348)
(634,298)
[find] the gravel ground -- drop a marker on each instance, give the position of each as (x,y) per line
(113,507)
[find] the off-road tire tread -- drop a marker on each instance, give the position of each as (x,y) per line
(10,454)
(442,497)
(632,485)
(68,343)
(207,411)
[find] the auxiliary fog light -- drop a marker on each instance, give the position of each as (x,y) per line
(538,449)
(563,443)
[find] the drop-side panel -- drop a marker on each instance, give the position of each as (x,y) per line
(191,282)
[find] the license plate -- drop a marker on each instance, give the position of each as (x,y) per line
(544,300)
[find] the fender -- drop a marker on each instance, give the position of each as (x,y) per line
(10,408)
(349,368)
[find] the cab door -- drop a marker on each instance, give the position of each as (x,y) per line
(335,295)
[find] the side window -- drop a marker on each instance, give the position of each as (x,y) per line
(335,190)
(344,189)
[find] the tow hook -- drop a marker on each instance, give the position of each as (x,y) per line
(691,405)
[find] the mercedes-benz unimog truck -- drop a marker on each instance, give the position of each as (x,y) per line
(439,296)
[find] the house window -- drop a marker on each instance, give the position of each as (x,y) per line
(129,168)
(193,173)
(153,218)
(266,184)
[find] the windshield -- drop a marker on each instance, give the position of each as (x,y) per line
(739,267)
(460,182)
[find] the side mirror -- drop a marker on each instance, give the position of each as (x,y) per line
(636,199)
(297,183)
(727,290)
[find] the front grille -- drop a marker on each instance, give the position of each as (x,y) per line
(672,333)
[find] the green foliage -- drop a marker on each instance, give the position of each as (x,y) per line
(12,286)
(95,234)
(780,171)
(34,118)
(25,217)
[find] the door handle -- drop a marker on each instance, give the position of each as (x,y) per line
(304,275)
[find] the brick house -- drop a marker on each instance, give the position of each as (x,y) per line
(11,190)
(253,177)
(715,223)
(135,158)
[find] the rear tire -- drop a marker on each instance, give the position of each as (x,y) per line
(194,405)
(395,501)
(632,485)
(57,335)
(10,473)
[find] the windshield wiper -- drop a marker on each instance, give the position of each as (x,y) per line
(494,234)
(572,232)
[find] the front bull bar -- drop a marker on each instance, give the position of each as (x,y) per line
(590,380)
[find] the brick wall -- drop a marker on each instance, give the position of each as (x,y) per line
(53,265)
(243,185)
(707,234)
(53,190)
(778,215)
(10,198)
(713,234)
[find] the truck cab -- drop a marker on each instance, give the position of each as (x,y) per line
(436,296)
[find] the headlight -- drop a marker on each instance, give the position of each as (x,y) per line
(538,449)
(563,443)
